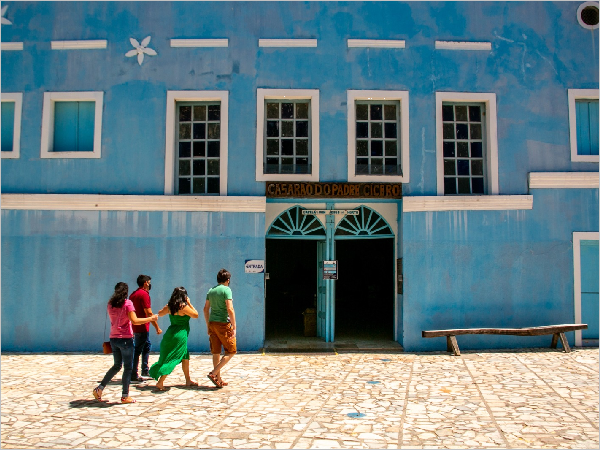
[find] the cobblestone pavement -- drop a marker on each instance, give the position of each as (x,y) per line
(533,398)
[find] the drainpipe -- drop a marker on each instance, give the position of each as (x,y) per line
(329,284)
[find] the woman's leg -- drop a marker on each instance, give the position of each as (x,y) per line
(118,363)
(127,351)
(185,366)
(160,383)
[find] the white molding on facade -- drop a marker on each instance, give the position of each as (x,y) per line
(577,238)
(491,125)
(265,94)
(89,44)
(17,98)
(402,97)
(199,43)
(376,43)
(92,202)
(466,203)
(563,180)
(50,98)
(573,95)
(195,96)
(11,46)
(287,42)
(462,45)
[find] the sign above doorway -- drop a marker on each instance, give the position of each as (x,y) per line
(330,212)
(275,189)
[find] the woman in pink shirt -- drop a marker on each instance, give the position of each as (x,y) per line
(122,314)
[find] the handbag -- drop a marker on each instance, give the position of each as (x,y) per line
(106,347)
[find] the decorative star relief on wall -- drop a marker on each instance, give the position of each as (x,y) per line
(140,49)
(5,21)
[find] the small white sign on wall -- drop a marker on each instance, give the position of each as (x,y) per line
(254,266)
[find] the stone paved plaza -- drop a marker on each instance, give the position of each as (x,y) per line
(533,398)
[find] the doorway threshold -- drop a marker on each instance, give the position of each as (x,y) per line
(295,344)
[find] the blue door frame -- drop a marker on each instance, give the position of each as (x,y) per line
(290,224)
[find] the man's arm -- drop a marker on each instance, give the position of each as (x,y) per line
(231,312)
(149,313)
(206,313)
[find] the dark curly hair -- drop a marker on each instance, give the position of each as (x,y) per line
(119,296)
(178,300)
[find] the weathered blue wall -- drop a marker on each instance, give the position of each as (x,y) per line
(485,260)
(510,269)
(538,52)
(59,269)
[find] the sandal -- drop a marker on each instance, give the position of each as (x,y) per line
(97,394)
(192,383)
(214,380)
(127,400)
(223,383)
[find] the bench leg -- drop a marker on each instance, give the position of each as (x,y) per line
(554,340)
(565,343)
(452,345)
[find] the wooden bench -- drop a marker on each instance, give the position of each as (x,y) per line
(557,331)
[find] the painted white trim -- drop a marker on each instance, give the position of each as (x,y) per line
(287,42)
(191,43)
(462,45)
(376,43)
(573,95)
(579,236)
(8,46)
(50,98)
(195,96)
(261,95)
(17,99)
(401,96)
(467,203)
(491,126)
(92,202)
(581,22)
(563,180)
(89,44)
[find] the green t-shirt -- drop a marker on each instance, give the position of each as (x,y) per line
(218,309)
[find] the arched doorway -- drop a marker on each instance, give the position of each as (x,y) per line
(291,262)
(365,293)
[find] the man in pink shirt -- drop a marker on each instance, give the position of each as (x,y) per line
(141,301)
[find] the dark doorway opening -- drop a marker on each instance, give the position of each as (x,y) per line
(364,294)
(291,287)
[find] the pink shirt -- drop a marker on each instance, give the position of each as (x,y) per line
(120,325)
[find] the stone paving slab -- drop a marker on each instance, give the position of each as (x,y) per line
(532,398)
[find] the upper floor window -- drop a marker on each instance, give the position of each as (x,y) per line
(378,136)
(287,143)
(196,147)
(467,156)
(583,123)
(11,124)
(72,125)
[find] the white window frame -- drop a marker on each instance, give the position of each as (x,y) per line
(491,127)
(573,95)
(17,99)
(50,98)
(281,94)
(170,151)
(579,236)
(402,97)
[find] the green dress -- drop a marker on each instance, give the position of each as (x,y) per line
(173,347)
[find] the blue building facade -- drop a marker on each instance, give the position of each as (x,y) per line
(445,154)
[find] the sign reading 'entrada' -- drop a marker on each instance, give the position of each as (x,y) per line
(323,190)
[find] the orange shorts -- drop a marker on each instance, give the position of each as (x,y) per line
(221,334)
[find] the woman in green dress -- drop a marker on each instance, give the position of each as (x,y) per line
(173,347)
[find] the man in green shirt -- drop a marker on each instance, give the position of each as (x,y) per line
(220,323)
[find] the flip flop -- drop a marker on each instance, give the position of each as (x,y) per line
(127,400)
(193,383)
(97,394)
(214,380)
(160,389)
